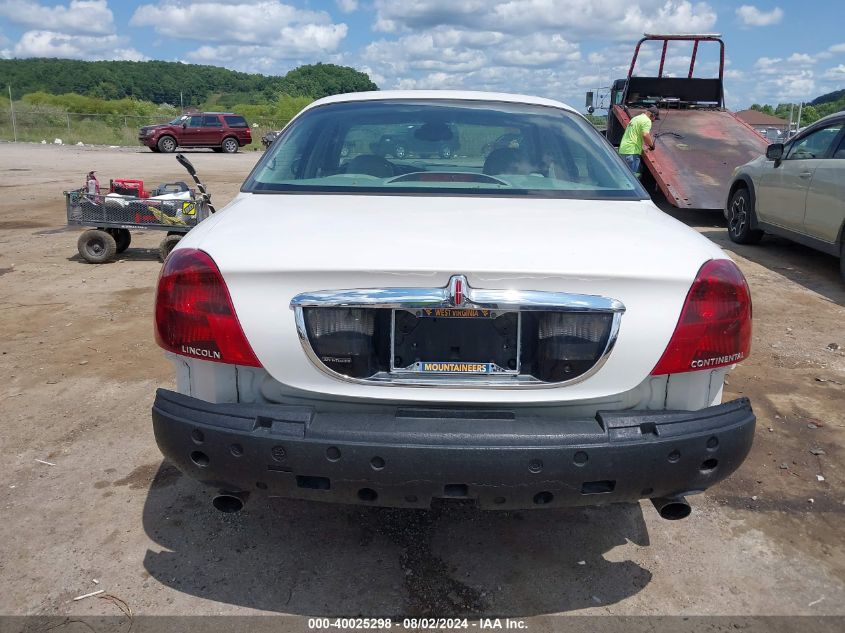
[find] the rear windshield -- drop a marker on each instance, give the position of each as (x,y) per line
(235,121)
(445,147)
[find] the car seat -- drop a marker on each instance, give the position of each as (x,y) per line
(508,160)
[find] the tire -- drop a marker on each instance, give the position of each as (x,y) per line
(739,218)
(122,238)
(446,152)
(167,245)
(166,144)
(96,246)
(842,261)
(399,151)
(229,145)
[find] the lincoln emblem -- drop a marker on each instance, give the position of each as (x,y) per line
(457,285)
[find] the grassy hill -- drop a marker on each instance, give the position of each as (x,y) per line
(162,82)
(831,97)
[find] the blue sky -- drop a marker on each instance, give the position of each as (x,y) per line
(776,51)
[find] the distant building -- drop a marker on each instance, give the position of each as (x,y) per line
(772,127)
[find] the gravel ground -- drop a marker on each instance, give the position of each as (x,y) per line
(81,368)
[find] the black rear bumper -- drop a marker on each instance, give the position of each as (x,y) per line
(501,458)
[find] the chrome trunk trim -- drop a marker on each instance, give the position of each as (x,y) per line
(445,297)
(410,298)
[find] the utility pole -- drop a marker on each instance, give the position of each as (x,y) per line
(800,106)
(12,108)
(181,104)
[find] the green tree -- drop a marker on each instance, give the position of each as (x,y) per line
(322,80)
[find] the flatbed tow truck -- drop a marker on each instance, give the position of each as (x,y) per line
(698,142)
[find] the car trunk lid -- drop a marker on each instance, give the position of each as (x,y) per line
(271,248)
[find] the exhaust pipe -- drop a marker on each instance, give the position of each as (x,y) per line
(672,508)
(229,502)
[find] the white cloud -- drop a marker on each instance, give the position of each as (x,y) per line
(533,46)
(750,15)
(837,73)
(347,6)
(52,44)
(573,18)
(437,50)
(536,50)
(265,22)
(798,86)
(293,43)
(257,35)
(800,59)
(89,17)
(778,65)
(837,48)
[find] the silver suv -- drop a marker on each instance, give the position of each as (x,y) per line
(797,191)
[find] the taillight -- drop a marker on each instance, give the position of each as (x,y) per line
(570,343)
(715,325)
(194,313)
(343,339)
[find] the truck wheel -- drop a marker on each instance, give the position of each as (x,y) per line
(229,145)
(739,219)
(122,238)
(166,144)
(167,245)
(96,246)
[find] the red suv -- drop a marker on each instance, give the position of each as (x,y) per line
(221,131)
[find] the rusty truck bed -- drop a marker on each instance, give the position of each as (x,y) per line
(696,152)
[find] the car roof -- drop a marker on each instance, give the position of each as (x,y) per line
(824,121)
(451,95)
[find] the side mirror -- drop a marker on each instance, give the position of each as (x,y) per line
(184,125)
(775,152)
(589,100)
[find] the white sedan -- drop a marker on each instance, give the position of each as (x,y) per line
(520,327)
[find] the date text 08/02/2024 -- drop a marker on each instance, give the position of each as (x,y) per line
(416,623)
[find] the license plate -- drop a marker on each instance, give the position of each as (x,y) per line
(475,341)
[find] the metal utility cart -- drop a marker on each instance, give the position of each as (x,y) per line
(113,216)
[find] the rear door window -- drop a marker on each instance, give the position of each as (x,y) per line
(211,120)
(235,121)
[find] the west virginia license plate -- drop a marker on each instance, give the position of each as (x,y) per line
(475,341)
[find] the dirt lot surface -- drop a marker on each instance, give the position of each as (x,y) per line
(80,368)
